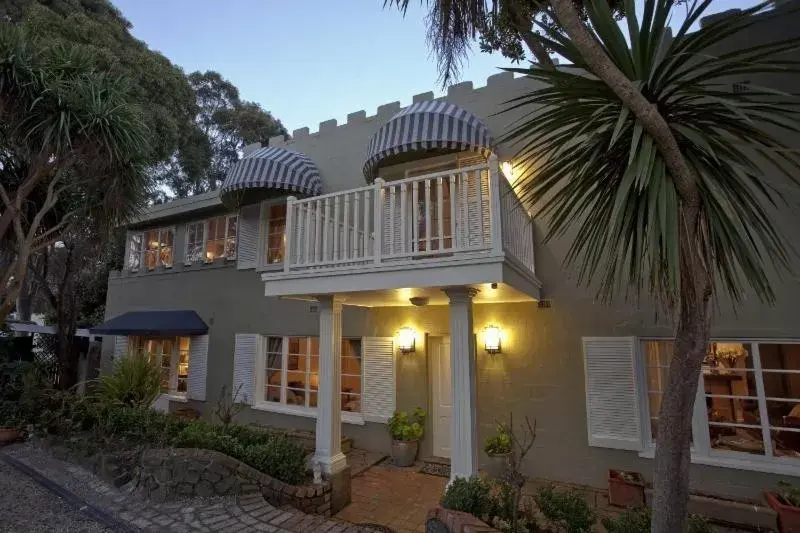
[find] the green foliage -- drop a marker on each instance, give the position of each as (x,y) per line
(788,493)
(500,442)
(407,428)
(566,509)
(594,172)
(469,495)
(135,382)
(638,521)
(281,458)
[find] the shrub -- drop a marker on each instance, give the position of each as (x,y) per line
(281,458)
(788,494)
(135,382)
(500,442)
(566,509)
(471,496)
(407,428)
(638,521)
(249,435)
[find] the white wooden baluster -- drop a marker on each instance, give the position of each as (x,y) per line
(403,218)
(415,217)
(336,228)
(464,177)
(287,246)
(365,235)
(453,222)
(346,228)
(317,230)
(327,229)
(440,210)
(479,191)
(495,208)
(428,225)
(356,222)
(378,220)
(308,232)
(392,215)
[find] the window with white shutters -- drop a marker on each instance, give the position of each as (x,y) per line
(247,253)
(120,346)
(245,350)
(198,367)
(612,399)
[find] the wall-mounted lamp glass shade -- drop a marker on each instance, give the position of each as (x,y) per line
(491,339)
(406,340)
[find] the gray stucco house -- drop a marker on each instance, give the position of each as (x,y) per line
(387,263)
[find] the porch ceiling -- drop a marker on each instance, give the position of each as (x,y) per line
(401,297)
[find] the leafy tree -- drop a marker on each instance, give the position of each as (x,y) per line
(658,167)
(72,148)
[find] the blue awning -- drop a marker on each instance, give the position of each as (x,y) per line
(178,322)
(429,125)
(271,167)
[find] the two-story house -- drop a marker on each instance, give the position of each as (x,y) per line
(387,263)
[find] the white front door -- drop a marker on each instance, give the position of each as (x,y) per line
(442,395)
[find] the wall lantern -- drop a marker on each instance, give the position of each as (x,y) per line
(491,339)
(406,340)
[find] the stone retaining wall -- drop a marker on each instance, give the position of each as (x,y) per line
(167,473)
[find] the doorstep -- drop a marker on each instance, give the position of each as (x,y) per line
(436,466)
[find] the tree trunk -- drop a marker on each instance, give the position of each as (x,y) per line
(671,476)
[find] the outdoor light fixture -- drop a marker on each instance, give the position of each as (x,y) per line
(405,340)
(508,171)
(491,339)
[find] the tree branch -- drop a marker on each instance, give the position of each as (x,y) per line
(644,111)
(525,29)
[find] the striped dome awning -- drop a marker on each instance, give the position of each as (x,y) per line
(424,126)
(271,167)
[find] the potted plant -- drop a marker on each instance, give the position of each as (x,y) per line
(406,432)
(625,489)
(786,502)
(498,448)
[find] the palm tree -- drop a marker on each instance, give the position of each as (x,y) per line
(71,148)
(657,166)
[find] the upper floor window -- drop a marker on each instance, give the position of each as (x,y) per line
(209,239)
(152,248)
(276,233)
(749,397)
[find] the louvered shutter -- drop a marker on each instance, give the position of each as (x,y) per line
(612,400)
(198,367)
(245,349)
(247,245)
(379,378)
(478,216)
(120,346)
(393,244)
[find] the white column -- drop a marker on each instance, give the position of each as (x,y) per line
(329,416)
(464,428)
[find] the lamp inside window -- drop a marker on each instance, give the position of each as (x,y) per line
(491,339)
(406,340)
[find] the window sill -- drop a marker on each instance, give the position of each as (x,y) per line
(175,397)
(270,267)
(308,412)
(789,467)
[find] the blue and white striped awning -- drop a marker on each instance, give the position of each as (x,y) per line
(427,125)
(271,167)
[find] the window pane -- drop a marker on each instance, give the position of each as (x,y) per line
(312,399)
(351,365)
(657,355)
(351,403)
(295,396)
(151,250)
(135,252)
(273,386)
(167,241)
(230,238)
(194,242)
(780,365)
(351,384)
(215,245)
(275,233)
(786,443)
(273,394)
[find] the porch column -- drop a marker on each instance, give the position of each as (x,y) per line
(329,417)
(464,428)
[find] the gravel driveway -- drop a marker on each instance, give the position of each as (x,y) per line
(26,507)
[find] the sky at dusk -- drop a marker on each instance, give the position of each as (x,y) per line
(308,61)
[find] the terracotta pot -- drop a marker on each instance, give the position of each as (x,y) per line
(788,515)
(9,435)
(497,465)
(404,453)
(624,491)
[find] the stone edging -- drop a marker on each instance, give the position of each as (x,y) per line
(445,520)
(167,473)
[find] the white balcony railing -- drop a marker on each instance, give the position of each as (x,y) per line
(444,214)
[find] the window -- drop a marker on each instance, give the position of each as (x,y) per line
(171,354)
(749,398)
(292,372)
(276,229)
(195,242)
(153,248)
(221,237)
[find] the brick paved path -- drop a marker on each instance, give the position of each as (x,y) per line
(240,514)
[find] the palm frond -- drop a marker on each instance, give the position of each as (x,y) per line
(593,174)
